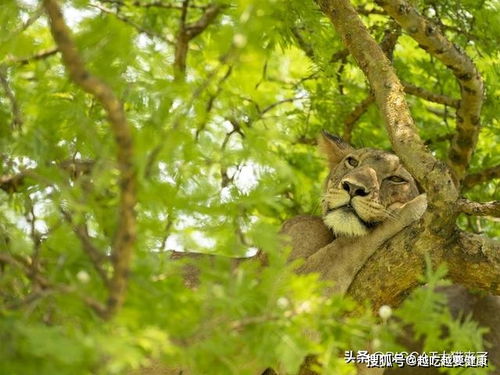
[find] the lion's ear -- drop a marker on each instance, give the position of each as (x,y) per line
(333,147)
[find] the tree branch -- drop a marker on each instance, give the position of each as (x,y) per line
(430,96)
(355,115)
(95,256)
(187,32)
(479,209)
(480,177)
(471,86)
(389,95)
(152,4)
(125,236)
(14,182)
(395,268)
(129,22)
(37,56)
(46,284)
(17,120)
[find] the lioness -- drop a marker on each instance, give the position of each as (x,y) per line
(369,197)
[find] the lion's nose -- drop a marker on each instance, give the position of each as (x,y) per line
(354,189)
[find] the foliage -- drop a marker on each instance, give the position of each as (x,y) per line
(223,157)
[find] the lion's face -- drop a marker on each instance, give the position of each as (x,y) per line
(363,188)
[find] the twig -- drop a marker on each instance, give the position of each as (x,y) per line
(37,242)
(46,284)
(76,168)
(387,45)
(30,21)
(95,256)
(355,115)
(125,236)
(211,101)
(279,102)
(430,96)
(306,47)
(129,22)
(38,56)
(152,4)
(438,139)
(479,209)
(17,120)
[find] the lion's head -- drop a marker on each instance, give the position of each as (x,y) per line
(363,188)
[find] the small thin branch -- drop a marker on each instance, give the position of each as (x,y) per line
(438,139)
(304,46)
(355,115)
(36,57)
(125,236)
(211,101)
(129,22)
(278,103)
(387,45)
(435,43)
(480,177)
(196,28)
(76,168)
(96,257)
(366,12)
(430,96)
(30,21)
(153,4)
(391,36)
(46,284)
(339,55)
(17,120)
(479,209)
(36,238)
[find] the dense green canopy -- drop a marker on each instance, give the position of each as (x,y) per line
(225,101)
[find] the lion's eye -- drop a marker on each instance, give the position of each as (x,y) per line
(396,179)
(351,161)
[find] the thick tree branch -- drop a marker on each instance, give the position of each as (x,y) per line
(471,86)
(123,243)
(395,268)
(481,177)
(479,209)
(389,95)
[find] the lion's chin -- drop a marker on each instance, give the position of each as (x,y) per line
(345,223)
